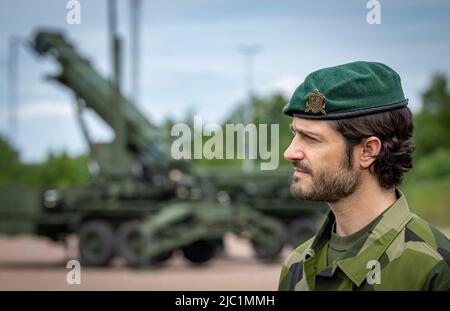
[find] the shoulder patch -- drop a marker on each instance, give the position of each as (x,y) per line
(411,236)
(327,272)
(445,254)
(296,272)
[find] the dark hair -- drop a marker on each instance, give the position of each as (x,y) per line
(395,130)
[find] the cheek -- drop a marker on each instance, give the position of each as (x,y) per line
(323,157)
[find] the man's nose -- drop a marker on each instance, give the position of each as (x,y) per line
(293,152)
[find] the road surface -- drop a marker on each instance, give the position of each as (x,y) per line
(31,263)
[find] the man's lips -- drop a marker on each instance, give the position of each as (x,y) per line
(301,171)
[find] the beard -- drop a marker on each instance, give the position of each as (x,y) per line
(326,185)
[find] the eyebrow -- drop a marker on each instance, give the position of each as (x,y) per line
(305,132)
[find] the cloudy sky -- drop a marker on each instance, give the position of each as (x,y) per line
(190,57)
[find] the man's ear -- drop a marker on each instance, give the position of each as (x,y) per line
(369,149)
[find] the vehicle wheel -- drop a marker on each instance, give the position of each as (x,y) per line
(200,251)
(278,233)
(300,230)
(130,244)
(219,247)
(96,244)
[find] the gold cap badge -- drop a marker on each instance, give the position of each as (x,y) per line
(315,102)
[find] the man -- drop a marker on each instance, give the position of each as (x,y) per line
(352,143)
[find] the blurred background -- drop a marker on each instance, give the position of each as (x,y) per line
(77,158)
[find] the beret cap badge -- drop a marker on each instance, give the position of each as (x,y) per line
(315,102)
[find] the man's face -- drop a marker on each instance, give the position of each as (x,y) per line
(322,171)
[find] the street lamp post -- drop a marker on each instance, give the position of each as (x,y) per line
(14,43)
(248,51)
(135,10)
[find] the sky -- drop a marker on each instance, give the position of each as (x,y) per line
(190,59)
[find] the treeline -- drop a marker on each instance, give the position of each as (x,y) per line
(431,137)
(432,132)
(265,111)
(58,170)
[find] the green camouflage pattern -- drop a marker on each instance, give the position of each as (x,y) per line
(409,254)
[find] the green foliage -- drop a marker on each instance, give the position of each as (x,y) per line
(57,171)
(430,199)
(427,186)
(431,136)
(434,166)
(264,111)
(62,171)
(432,123)
(9,161)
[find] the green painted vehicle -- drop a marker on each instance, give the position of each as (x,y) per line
(141,205)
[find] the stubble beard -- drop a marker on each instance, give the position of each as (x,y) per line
(327,185)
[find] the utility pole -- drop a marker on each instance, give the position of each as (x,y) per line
(119,125)
(3,99)
(248,51)
(114,42)
(13,54)
(135,8)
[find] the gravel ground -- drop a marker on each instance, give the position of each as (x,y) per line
(31,263)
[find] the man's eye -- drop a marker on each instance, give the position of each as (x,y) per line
(310,138)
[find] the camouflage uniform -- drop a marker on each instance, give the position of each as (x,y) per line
(411,255)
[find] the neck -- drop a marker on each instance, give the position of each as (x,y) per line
(359,209)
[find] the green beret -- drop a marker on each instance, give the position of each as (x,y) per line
(345,91)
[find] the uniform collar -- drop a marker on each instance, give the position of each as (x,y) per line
(382,235)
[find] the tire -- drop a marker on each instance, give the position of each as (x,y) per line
(300,230)
(278,232)
(219,246)
(130,244)
(96,243)
(200,251)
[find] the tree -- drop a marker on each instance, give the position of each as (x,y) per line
(432,124)
(9,162)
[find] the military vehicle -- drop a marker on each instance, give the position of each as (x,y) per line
(140,204)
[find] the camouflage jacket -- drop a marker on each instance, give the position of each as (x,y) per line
(402,252)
